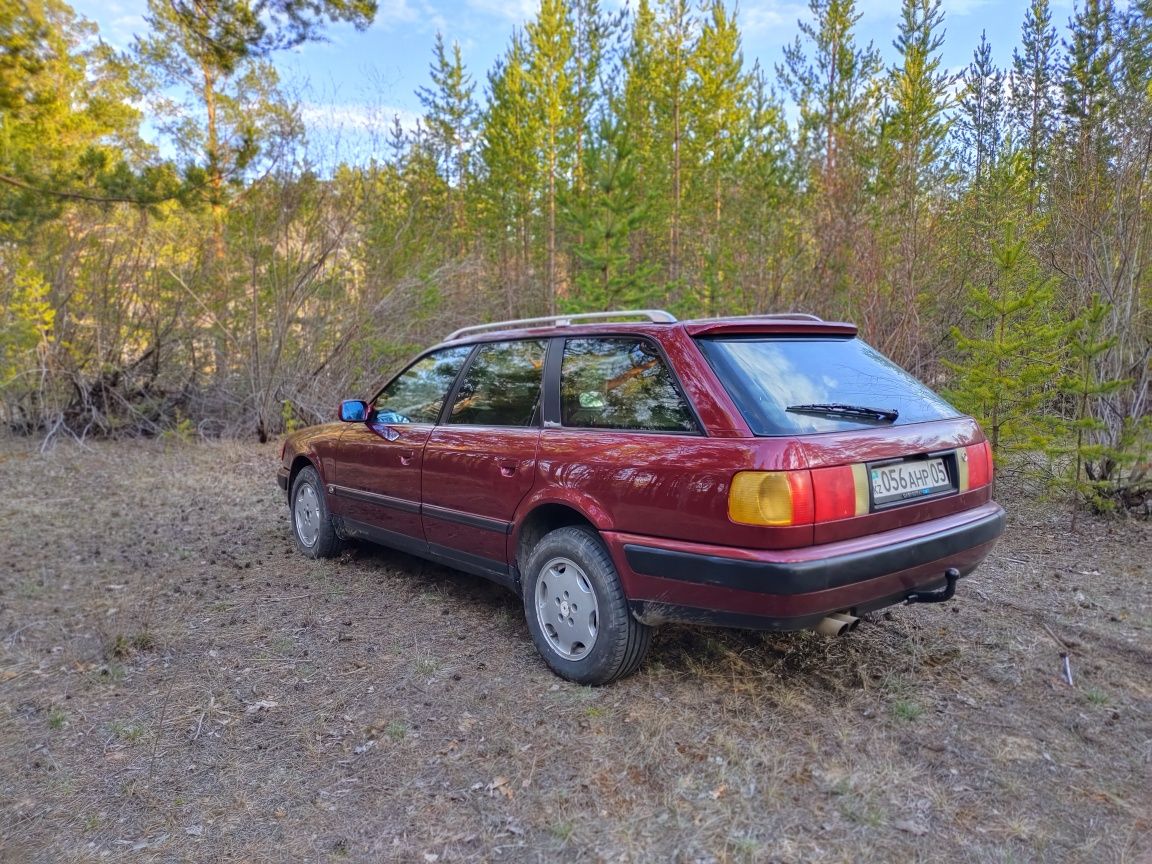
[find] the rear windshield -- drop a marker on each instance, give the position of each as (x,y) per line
(767,375)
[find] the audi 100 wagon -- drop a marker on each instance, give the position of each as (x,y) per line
(622,470)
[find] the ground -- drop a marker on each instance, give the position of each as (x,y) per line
(178,684)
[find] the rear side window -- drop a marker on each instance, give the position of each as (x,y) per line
(767,376)
(501,386)
(620,383)
(418,393)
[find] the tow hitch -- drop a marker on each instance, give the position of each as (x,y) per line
(945,593)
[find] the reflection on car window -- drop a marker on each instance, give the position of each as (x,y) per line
(418,394)
(766,375)
(501,386)
(620,384)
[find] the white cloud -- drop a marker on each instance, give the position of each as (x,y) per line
(406,16)
(772,20)
(513,11)
(356,118)
(389,13)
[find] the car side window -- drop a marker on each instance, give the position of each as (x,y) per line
(418,394)
(620,383)
(501,386)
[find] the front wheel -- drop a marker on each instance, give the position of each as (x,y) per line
(577,612)
(311,522)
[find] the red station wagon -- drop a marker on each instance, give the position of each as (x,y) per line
(621,470)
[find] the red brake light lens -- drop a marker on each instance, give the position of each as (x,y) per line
(835,492)
(979,465)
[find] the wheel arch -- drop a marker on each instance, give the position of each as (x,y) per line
(299,463)
(539,521)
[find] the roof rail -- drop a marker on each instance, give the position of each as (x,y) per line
(656,316)
(802,316)
(806,316)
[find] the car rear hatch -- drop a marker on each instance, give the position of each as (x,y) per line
(882,450)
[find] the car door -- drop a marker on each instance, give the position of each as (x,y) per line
(480,462)
(377,479)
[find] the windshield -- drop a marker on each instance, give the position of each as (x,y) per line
(765,376)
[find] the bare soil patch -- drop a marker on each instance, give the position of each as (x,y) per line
(177,684)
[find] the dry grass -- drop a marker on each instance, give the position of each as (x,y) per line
(177,684)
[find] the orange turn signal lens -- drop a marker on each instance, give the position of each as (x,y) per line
(774,498)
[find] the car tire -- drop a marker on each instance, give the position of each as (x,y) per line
(311,522)
(576,609)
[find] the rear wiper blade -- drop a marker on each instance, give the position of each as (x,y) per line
(835,409)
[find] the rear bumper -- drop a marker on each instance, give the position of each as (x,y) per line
(282,478)
(792,589)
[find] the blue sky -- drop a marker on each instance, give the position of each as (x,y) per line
(356,82)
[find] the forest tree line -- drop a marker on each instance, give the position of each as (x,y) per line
(990,231)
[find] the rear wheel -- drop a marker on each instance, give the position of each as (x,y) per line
(311,522)
(577,612)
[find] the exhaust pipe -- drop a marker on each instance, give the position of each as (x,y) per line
(836,624)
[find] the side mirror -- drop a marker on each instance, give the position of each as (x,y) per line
(353,410)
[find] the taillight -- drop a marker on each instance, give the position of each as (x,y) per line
(979,465)
(782,498)
(283,447)
(840,492)
(775,498)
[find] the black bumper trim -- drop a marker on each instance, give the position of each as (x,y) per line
(484,523)
(656,613)
(804,577)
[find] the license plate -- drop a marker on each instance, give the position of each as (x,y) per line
(903,481)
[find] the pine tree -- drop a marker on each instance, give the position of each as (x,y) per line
(67,130)
(511,136)
(1033,103)
(606,218)
(1012,351)
(551,53)
(766,207)
(1093,222)
(837,96)
(981,111)
(635,108)
(1094,478)
(717,128)
(915,132)
(675,43)
(451,118)
(591,31)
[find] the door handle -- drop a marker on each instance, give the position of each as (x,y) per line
(406,456)
(507,468)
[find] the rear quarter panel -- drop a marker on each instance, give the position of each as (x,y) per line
(661,485)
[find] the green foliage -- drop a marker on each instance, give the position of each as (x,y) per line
(1032,96)
(606,219)
(26,318)
(67,131)
(1096,462)
(1011,352)
(981,114)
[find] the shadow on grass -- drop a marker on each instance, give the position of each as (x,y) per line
(800,658)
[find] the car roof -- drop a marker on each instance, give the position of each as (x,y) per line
(651,323)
